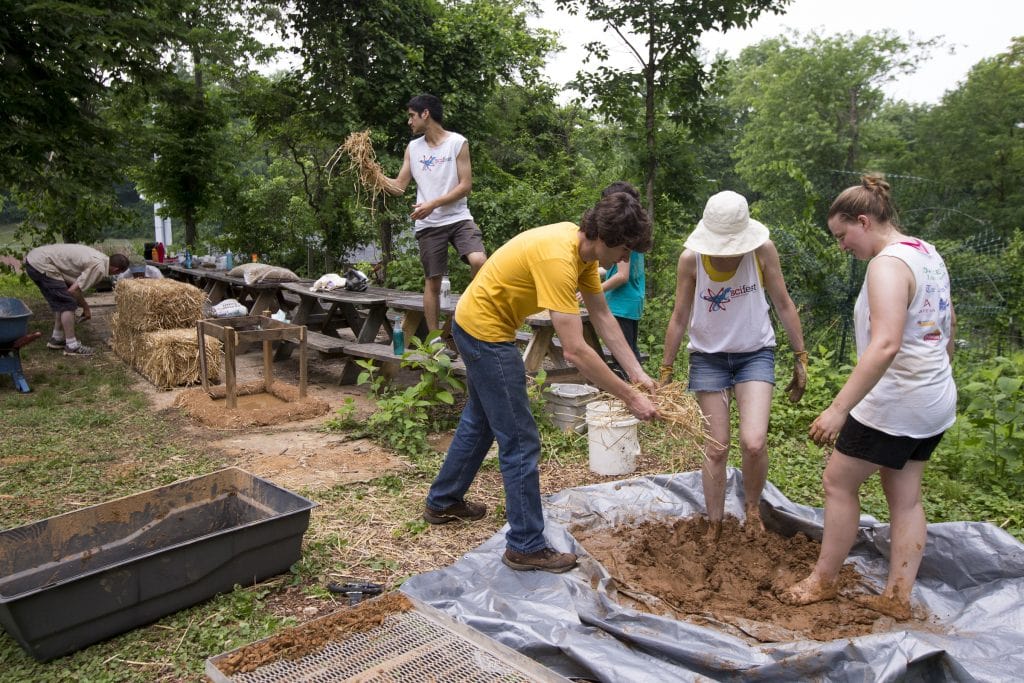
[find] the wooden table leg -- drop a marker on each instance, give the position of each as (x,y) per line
(218,292)
(302,362)
(230,343)
(265,303)
(200,334)
(591,337)
(268,368)
(537,348)
(376,319)
(302,314)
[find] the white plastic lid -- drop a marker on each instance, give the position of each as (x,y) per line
(572,390)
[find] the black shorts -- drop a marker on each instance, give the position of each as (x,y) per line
(465,236)
(885,450)
(54,291)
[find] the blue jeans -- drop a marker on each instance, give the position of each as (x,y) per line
(498,407)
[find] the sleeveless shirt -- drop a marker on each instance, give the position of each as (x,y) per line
(436,172)
(916,396)
(730,315)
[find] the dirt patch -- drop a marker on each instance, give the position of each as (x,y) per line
(297,642)
(255,405)
(308,460)
(674,569)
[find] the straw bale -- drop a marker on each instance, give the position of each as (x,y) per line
(126,343)
(145,305)
(170,358)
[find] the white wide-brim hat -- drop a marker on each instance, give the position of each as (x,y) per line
(726,228)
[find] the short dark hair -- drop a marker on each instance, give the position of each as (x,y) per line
(119,261)
(426,102)
(618,219)
(621,186)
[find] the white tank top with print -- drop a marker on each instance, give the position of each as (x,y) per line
(731,315)
(916,396)
(436,172)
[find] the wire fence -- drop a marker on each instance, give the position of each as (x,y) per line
(824,282)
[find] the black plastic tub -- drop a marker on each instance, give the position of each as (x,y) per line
(78,578)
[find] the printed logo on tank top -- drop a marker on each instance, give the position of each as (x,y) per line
(433,161)
(718,300)
(916,244)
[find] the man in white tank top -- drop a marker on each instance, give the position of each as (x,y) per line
(438,160)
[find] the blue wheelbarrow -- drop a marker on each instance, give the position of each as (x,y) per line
(14,315)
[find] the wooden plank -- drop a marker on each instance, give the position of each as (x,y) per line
(324,343)
(384,353)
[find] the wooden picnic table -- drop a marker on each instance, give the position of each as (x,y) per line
(259,297)
(540,342)
(413,321)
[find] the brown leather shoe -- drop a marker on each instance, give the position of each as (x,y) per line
(545,560)
(460,512)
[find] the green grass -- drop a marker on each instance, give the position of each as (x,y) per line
(85,436)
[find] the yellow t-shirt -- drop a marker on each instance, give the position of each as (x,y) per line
(536,270)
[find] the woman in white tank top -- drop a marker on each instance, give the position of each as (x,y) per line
(897,402)
(726,269)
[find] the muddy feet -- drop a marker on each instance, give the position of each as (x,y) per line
(754,525)
(893,607)
(808,591)
(713,532)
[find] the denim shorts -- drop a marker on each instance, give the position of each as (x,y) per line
(718,371)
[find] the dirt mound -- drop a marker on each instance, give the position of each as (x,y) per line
(676,569)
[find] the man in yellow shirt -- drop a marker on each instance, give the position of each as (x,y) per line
(536,270)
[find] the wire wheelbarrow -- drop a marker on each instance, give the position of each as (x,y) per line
(14,334)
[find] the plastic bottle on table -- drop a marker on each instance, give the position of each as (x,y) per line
(446,292)
(398,337)
(229,260)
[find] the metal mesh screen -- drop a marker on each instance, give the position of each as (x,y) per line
(407,647)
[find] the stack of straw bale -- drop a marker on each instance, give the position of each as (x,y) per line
(154,331)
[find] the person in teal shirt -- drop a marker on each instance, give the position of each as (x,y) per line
(624,285)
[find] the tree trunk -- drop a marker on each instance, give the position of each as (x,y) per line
(649,123)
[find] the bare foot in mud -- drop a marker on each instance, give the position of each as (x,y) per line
(808,591)
(754,525)
(887,605)
(714,532)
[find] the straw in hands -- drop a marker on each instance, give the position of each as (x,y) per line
(363,160)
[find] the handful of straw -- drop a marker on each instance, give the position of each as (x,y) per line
(363,160)
(680,412)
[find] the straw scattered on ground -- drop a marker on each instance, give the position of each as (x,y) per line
(363,161)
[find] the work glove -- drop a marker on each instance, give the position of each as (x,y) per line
(796,386)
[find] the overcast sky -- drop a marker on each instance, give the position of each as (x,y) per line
(975,29)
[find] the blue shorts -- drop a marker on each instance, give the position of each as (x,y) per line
(718,371)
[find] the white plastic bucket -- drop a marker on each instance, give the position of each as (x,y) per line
(611,437)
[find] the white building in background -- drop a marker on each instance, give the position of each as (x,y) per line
(161,226)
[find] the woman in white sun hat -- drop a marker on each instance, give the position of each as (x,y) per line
(727,266)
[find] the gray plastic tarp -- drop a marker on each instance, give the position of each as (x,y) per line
(971,580)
